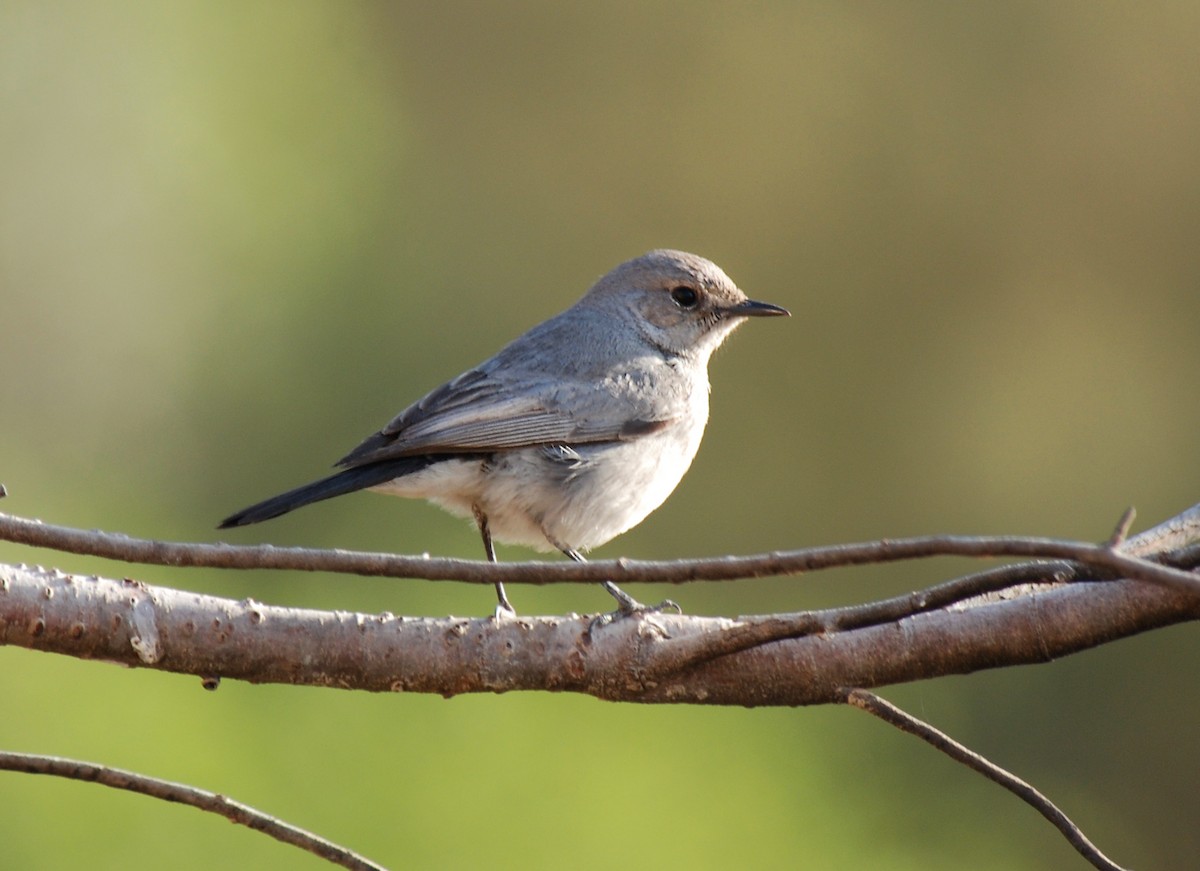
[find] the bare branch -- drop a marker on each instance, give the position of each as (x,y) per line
(889,713)
(212,802)
(1007,581)
(1119,562)
(1077,596)
(655,658)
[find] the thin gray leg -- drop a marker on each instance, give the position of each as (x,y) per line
(482,522)
(626,604)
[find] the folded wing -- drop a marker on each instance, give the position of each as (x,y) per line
(480,412)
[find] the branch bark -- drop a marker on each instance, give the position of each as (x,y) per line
(766,660)
(1086,595)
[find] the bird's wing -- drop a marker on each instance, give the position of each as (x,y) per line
(480,412)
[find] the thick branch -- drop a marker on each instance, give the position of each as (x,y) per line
(1011,615)
(1015,614)
(658,658)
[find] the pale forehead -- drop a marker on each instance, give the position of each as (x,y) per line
(664,267)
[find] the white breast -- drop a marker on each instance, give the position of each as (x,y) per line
(576,497)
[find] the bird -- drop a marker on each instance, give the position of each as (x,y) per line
(572,433)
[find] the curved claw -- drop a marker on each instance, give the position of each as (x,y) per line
(626,604)
(667,605)
(630,607)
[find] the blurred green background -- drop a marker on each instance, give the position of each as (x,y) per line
(237,237)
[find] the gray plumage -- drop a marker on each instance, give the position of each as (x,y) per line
(572,433)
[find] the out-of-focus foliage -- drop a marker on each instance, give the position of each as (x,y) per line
(235,237)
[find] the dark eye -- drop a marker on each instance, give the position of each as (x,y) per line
(685,297)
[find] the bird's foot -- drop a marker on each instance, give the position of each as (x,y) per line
(627,606)
(504,608)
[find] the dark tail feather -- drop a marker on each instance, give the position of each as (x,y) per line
(335,485)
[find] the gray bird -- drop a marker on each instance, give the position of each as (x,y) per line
(572,433)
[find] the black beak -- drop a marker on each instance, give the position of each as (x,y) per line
(752,308)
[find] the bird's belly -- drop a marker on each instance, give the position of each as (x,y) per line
(580,504)
(575,497)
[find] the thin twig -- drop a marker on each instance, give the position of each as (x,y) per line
(755,631)
(234,811)
(1121,532)
(1118,562)
(1170,534)
(889,713)
(978,588)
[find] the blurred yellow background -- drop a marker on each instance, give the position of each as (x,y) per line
(237,237)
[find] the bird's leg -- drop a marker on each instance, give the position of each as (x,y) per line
(503,607)
(627,606)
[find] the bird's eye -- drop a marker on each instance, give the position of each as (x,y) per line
(685,297)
